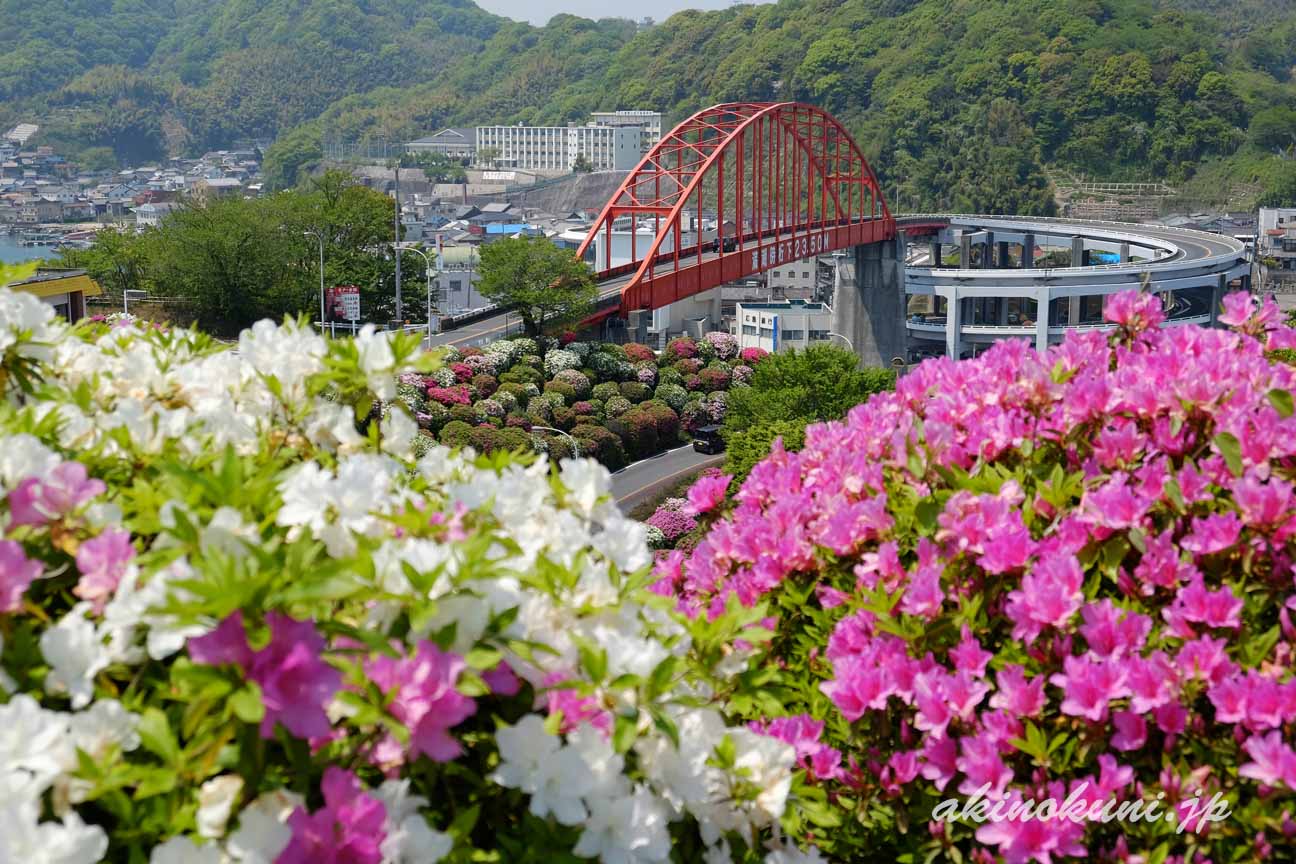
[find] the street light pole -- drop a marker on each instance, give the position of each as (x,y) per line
(848,342)
(399,316)
(318,234)
(427,262)
(574,444)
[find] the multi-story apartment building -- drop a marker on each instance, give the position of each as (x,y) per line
(558,148)
(648,121)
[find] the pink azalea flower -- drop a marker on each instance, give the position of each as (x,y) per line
(1229,696)
(1213,533)
(1114,505)
(102,561)
(981,764)
(1268,703)
(1111,632)
(1050,595)
(1088,685)
(1152,682)
(1016,694)
(1264,505)
(576,709)
(1193,603)
(707,493)
(1131,730)
(857,688)
(1133,310)
(349,829)
(1205,658)
(803,732)
(924,596)
(296,684)
(939,760)
(1238,307)
(16,575)
(425,699)
(934,713)
(968,655)
(1033,840)
(502,680)
(1272,761)
(1171,718)
(38,501)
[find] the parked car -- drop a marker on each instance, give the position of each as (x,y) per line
(708,440)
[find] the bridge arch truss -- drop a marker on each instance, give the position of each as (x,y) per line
(776,182)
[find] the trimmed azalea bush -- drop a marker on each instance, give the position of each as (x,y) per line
(752,356)
(672,394)
(1064,575)
(636,353)
(602,444)
(243,622)
(635,391)
(680,348)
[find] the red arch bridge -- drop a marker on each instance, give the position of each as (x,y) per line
(736,189)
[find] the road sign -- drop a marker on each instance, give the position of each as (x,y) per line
(344,302)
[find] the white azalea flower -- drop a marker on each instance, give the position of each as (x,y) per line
(398,431)
(23,456)
(523,747)
(24,839)
(263,830)
(586,480)
(76,655)
(377,361)
(627,829)
(215,801)
(409,839)
(793,855)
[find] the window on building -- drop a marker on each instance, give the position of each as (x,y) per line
(794,335)
(749,330)
(818,335)
(805,274)
(767,332)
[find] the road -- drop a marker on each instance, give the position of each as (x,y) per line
(640,482)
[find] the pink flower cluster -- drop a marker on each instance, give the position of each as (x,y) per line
(348,829)
(425,700)
(1114,515)
(672,523)
(296,683)
(457,395)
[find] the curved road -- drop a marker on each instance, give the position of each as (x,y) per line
(642,481)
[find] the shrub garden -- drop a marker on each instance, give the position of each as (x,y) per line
(619,402)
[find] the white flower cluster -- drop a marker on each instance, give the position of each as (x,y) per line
(178,394)
(557,359)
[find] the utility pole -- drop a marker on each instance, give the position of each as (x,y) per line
(399,312)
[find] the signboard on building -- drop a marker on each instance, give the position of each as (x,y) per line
(488,176)
(344,303)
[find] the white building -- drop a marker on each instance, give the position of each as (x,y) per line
(557,148)
(780,326)
(1277,236)
(649,121)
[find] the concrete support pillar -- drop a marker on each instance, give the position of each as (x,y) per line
(870,302)
(1028,251)
(714,313)
(953,323)
(987,257)
(1077,252)
(1073,310)
(935,252)
(1003,255)
(1217,298)
(1124,253)
(1042,298)
(965,251)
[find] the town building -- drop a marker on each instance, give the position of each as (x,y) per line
(208,188)
(649,122)
(781,326)
(452,143)
(558,149)
(65,290)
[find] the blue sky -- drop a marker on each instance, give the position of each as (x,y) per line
(540,11)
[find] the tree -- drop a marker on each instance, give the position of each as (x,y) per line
(790,390)
(582,165)
(487,156)
(1274,128)
(548,286)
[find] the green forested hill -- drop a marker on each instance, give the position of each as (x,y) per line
(963,102)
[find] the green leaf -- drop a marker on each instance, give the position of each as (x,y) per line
(625,732)
(157,738)
(483,658)
(1282,400)
(1231,450)
(246,704)
(593,659)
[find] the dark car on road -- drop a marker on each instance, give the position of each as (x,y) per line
(708,440)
